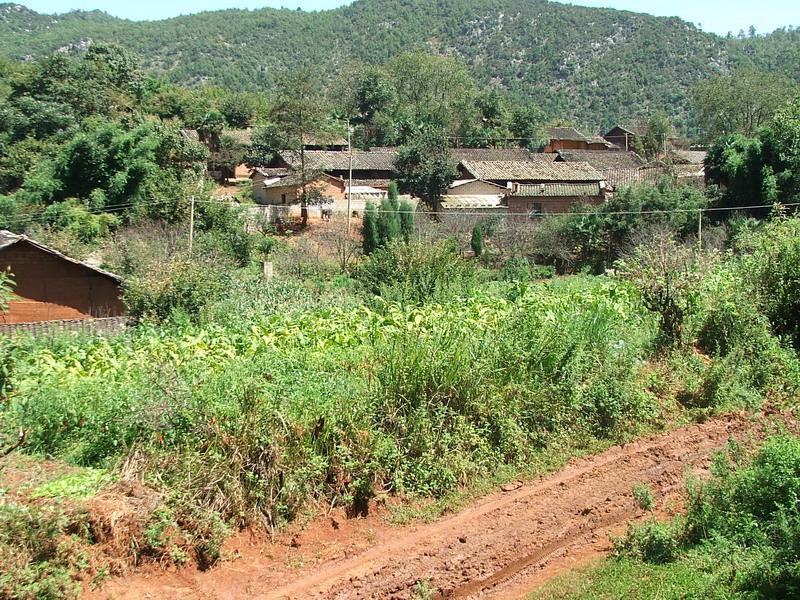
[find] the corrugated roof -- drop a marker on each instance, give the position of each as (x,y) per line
(478,201)
(603,159)
(566,133)
(332,160)
(461,182)
(557,190)
(531,171)
(8,238)
(191,134)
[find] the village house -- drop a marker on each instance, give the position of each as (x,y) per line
(474,195)
(374,168)
(626,137)
(618,168)
(569,138)
(535,187)
(50,286)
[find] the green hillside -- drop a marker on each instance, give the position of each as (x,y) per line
(593,66)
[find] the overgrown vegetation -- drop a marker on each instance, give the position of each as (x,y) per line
(245,402)
(737,540)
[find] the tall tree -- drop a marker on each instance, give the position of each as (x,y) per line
(741,102)
(299,111)
(434,90)
(426,167)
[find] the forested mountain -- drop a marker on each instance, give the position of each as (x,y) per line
(588,65)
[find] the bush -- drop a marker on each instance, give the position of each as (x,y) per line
(667,274)
(519,268)
(772,267)
(476,243)
(417,273)
(643,496)
(752,504)
(652,542)
(182,288)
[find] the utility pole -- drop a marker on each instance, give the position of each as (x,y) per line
(700,230)
(350,176)
(191,223)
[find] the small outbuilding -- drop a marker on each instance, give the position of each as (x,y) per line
(50,286)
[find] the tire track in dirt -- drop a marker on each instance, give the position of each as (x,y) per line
(493,547)
(501,546)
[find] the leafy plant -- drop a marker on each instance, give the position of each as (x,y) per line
(643,496)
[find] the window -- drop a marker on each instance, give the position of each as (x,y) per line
(283,198)
(535,209)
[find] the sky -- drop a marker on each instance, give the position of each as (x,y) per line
(718,16)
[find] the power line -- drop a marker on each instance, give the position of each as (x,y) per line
(31,217)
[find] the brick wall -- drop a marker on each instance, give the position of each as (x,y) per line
(50,288)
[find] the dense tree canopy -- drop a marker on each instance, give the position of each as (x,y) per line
(741,102)
(760,170)
(591,66)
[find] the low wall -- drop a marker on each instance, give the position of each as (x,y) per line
(108,325)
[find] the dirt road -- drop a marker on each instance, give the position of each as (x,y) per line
(500,547)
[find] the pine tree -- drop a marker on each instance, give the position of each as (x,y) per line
(477,240)
(406,220)
(393,195)
(388,222)
(369,229)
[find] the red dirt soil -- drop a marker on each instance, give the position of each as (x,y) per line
(502,546)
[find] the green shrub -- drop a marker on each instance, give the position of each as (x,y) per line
(38,558)
(730,316)
(6,289)
(369,230)
(417,273)
(652,542)
(772,267)
(183,288)
(407,221)
(643,496)
(751,505)
(476,243)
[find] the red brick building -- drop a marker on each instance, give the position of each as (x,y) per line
(50,286)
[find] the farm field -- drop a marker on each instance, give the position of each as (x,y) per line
(316,397)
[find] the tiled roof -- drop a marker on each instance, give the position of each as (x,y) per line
(566,133)
(601,140)
(627,177)
(331,160)
(461,182)
(295,180)
(267,172)
(557,190)
(531,171)
(8,238)
(695,157)
(243,136)
(631,129)
(460,154)
(603,159)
